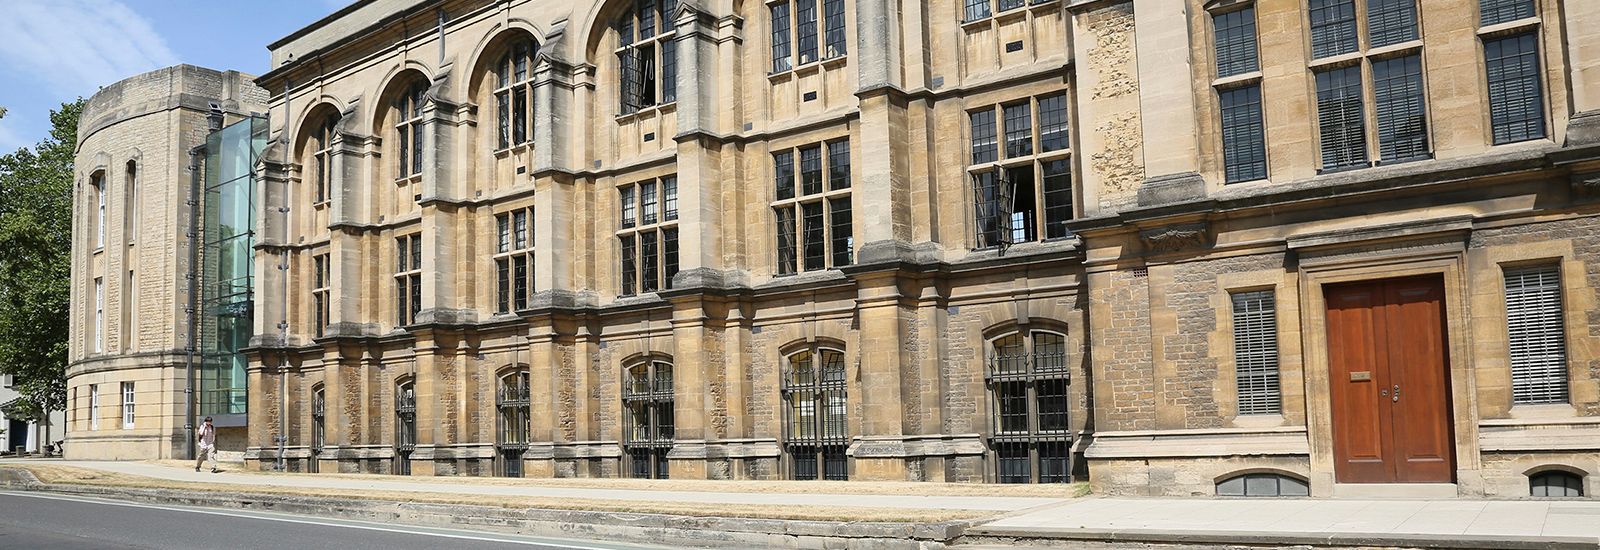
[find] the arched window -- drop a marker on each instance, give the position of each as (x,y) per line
(405,431)
(647,55)
(1027,378)
(513,93)
(816,428)
(319,425)
(513,403)
(322,157)
(647,397)
(1263,485)
(409,138)
(1555,483)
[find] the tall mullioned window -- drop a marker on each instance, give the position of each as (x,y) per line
(800,33)
(1235,41)
(408,279)
(513,260)
(1244,143)
(1027,196)
(513,403)
(816,429)
(1027,378)
(1516,97)
(513,94)
(1393,126)
(1537,336)
(321,293)
(648,238)
(1255,352)
(648,404)
(1333,27)
(322,158)
(812,209)
(408,130)
(647,55)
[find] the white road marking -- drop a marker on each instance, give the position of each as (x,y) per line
(352,524)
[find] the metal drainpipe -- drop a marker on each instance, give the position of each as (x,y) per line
(283,321)
(194,296)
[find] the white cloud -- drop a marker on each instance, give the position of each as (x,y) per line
(76,46)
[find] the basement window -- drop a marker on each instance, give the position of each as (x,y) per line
(1263,485)
(1555,483)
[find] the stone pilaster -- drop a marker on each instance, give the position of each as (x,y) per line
(272,236)
(699,142)
(879,453)
(544,428)
(1166,104)
(690,375)
(1582,32)
(430,394)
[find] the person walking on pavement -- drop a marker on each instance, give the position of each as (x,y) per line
(207,438)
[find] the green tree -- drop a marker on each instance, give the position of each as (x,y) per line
(36,265)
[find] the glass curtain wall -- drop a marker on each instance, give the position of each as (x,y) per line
(227,263)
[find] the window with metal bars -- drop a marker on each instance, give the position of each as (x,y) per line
(319,425)
(1235,41)
(1009,205)
(321,292)
(649,248)
(513,260)
(513,404)
(648,404)
(1244,139)
(322,157)
(1391,22)
(813,227)
(816,428)
(1333,27)
(1028,383)
(1536,335)
(1516,99)
(1340,120)
(408,279)
(1493,12)
(513,93)
(1255,352)
(405,432)
(647,59)
(1398,105)
(804,34)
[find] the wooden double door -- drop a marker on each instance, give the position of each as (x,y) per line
(1389,379)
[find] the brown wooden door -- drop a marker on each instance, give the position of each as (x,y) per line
(1389,382)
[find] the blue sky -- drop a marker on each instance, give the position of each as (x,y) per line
(52,51)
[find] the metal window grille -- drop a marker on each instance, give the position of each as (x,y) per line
(1235,41)
(405,437)
(1053,123)
(1391,22)
(833,28)
(1028,381)
(780,38)
(1400,114)
(649,260)
(319,426)
(805,27)
(783,174)
(786,240)
(1333,27)
(648,400)
(513,403)
(983,137)
(1057,197)
(811,169)
(1244,149)
(1255,352)
(1516,103)
(1555,483)
(816,425)
(1492,12)
(974,10)
(1536,335)
(629,274)
(840,232)
(839,165)
(1340,119)
(1019,130)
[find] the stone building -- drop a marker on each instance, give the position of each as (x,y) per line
(135,200)
(1177,247)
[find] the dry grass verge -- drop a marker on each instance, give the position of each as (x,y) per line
(56,474)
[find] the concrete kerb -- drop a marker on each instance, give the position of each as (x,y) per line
(704,532)
(1150,538)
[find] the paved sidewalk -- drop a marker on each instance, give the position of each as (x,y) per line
(441,485)
(1523,521)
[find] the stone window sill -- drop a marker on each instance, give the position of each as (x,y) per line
(1509,27)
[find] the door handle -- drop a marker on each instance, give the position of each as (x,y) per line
(1396,393)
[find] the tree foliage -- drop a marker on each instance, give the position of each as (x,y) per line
(36,262)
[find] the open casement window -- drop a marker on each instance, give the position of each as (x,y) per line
(647,58)
(812,210)
(816,428)
(319,425)
(512,403)
(648,238)
(513,260)
(1027,377)
(513,94)
(1021,192)
(1536,334)
(322,158)
(647,402)
(405,426)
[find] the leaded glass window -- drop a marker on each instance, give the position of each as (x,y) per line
(514,260)
(649,248)
(813,227)
(646,62)
(1009,204)
(514,94)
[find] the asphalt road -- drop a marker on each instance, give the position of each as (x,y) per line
(55,522)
